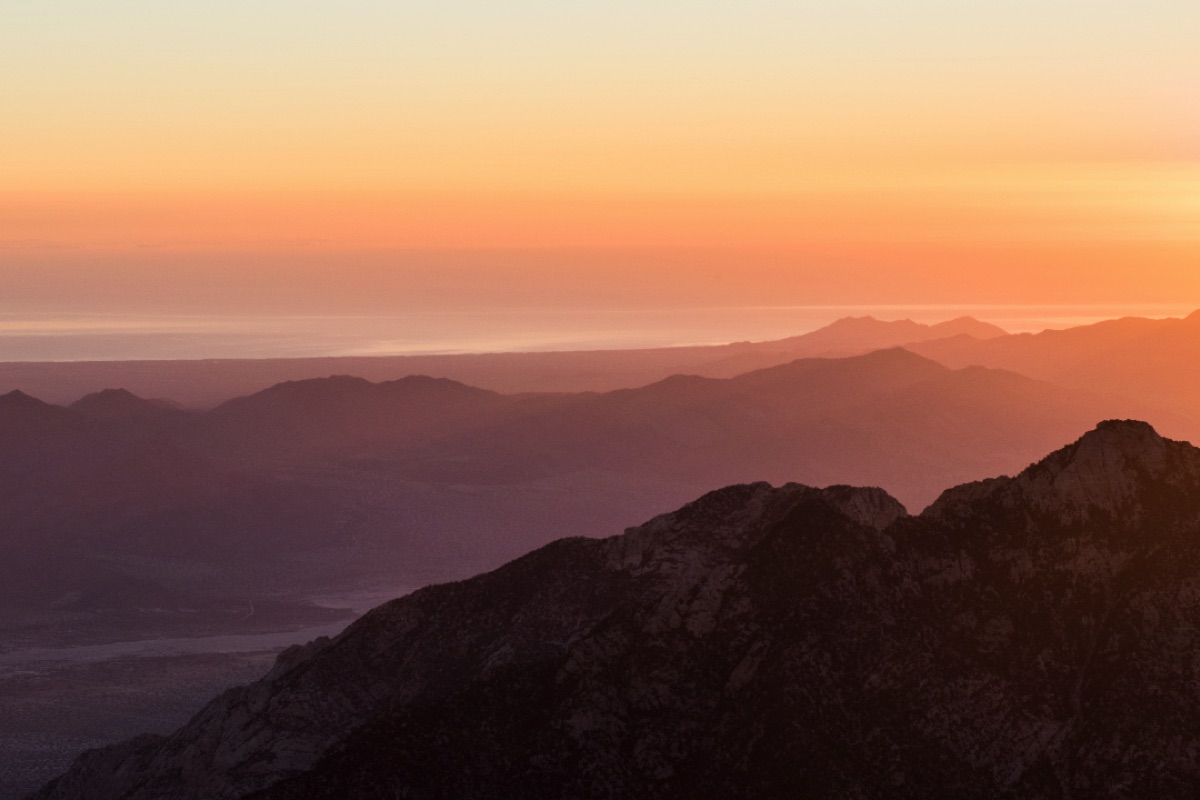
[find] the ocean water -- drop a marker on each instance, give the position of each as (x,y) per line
(47,336)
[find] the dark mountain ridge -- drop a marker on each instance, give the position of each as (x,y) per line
(1024,637)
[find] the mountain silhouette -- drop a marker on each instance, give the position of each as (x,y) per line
(435,479)
(888,418)
(111,405)
(88,487)
(846,337)
(347,413)
(203,384)
(1152,359)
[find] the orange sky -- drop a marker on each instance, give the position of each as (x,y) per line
(298,156)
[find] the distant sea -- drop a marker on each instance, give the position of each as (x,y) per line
(47,336)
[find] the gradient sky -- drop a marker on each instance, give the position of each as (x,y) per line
(264,156)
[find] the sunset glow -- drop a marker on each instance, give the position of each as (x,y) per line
(1016,152)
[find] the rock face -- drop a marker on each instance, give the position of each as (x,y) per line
(1025,637)
(1121,474)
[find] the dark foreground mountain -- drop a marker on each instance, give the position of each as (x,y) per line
(1024,637)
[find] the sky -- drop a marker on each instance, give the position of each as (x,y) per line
(269,157)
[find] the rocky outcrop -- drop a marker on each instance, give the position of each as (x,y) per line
(870,506)
(1024,637)
(1122,473)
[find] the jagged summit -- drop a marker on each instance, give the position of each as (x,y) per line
(1108,469)
(870,506)
(1116,440)
(1113,470)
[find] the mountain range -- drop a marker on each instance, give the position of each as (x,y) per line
(206,383)
(1029,636)
(1153,358)
(438,479)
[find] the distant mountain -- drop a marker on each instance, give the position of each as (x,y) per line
(207,383)
(347,414)
(441,479)
(106,489)
(846,337)
(858,333)
(121,412)
(120,405)
(33,432)
(1137,357)
(889,418)
(1025,637)
(438,479)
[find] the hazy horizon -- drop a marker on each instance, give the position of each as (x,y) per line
(132,337)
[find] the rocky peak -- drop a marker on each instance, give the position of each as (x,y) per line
(1109,472)
(736,517)
(870,506)
(1106,469)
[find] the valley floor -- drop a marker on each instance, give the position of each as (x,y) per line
(57,701)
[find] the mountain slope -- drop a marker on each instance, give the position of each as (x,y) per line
(1025,637)
(855,333)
